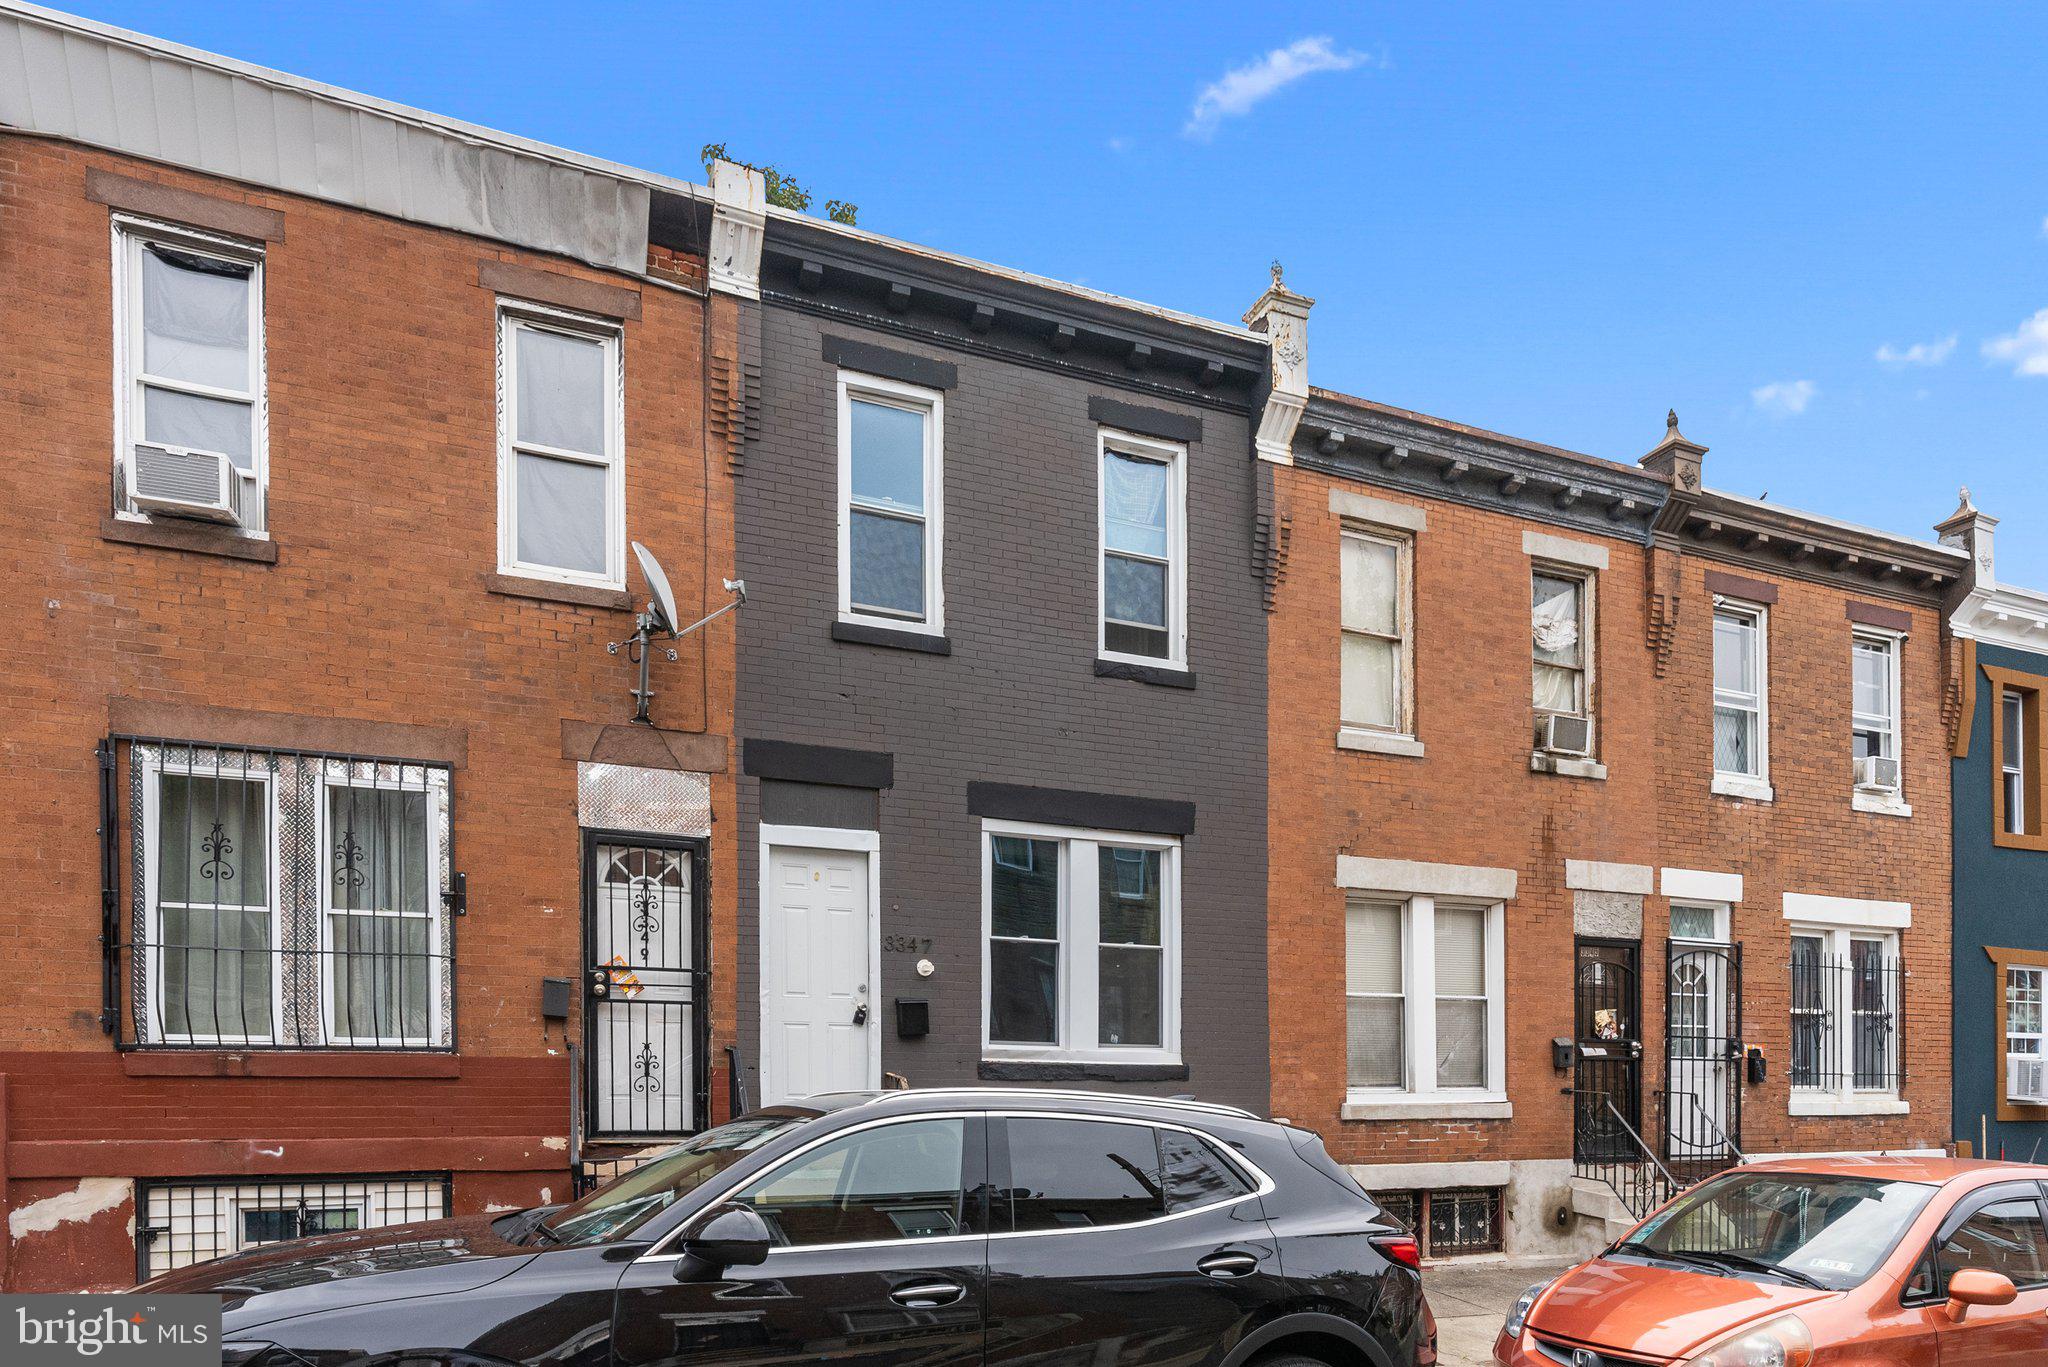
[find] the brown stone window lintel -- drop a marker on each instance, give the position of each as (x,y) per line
(154,199)
(563,291)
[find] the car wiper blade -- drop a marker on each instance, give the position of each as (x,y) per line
(1669,1255)
(1791,1274)
(540,1230)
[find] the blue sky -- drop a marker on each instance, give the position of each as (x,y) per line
(1820,231)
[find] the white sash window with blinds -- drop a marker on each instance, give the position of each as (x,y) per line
(1423,996)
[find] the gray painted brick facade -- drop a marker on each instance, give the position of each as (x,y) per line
(1017,700)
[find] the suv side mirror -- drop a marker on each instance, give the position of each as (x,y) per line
(1978,1286)
(729,1235)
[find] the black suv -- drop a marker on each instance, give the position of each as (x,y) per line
(931,1227)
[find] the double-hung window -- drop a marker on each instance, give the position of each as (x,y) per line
(189,360)
(1083,944)
(561,492)
(381,922)
(1378,645)
(2012,762)
(1561,629)
(1423,981)
(1143,582)
(1874,712)
(891,491)
(2026,1063)
(210,906)
(1846,1045)
(2018,795)
(1741,702)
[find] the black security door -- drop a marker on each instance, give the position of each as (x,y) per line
(646,1026)
(1103,1261)
(1607,1078)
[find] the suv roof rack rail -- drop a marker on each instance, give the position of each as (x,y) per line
(1072,1094)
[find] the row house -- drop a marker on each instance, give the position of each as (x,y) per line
(345,890)
(1001,680)
(1609,825)
(2000,969)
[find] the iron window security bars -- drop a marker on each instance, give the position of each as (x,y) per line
(192,1221)
(1848,1031)
(275,899)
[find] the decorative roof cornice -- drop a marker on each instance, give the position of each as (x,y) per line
(951,302)
(1434,458)
(2004,615)
(1784,541)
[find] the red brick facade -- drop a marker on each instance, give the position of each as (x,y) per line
(1472,800)
(381,609)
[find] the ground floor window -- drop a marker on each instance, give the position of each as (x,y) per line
(2026,1068)
(1423,986)
(182,1223)
(1845,1010)
(1082,935)
(1449,1221)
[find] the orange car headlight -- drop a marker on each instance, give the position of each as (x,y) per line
(1783,1342)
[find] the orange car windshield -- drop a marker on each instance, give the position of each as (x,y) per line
(1817,1229)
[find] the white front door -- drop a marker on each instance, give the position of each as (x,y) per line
(817,1029)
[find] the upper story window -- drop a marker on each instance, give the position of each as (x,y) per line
(1875,717)
(1143,594)
(1561,633)
(1741,701)
(1378,651)
(2012,762)
(1424,995)
(284,900)
(189,413)
(2019,797)
(561,493)
(890,495)
(1083,944)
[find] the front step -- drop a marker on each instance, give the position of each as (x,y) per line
(1595,1201)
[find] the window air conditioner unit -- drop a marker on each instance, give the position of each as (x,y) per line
(1561,735)
(2026,1079)
(1875,773)
(178,481)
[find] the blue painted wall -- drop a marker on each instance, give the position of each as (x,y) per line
(2001,898)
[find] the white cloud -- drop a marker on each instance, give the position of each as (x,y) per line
(2025,347)
(1240,88)
(1118,144)
(1785,398)
(1920,353)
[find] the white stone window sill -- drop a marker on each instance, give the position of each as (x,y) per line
(1426,1106)
(1752,789)
(1570,766)
(1378,742)
(1880,803)
(1836,1103)
(1147,1058)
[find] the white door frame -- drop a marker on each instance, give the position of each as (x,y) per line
(775,837)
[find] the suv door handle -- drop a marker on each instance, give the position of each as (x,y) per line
(1228,1263)
(927,1295)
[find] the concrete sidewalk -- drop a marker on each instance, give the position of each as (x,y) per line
(1470,1299)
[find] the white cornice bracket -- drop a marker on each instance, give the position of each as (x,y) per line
(1282,315)
(739,221)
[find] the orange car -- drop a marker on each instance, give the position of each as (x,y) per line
(1788,1263)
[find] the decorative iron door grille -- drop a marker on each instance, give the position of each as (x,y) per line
(256,898)
(1607,1002)
(1702,1057)
(646,1031)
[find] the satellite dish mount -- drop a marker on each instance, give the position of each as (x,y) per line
(659,619)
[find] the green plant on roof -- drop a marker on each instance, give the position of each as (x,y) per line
(783,190)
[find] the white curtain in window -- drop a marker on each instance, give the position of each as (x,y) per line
(562,401)
(195,319)
(1372,983)
(1372,582)
(1371,688)
(1461,997)
(1134,504)
(561,514)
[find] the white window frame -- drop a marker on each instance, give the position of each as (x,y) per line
(131,234)
(1077,1025)
(1756,786)
(1419,998)
(1838,943)
(153,770)
(517,314)
(431,914)
(1173,455)
(2038,1038)
(1892,645)
(1403,545)
(2013,779)
(931,403)
(1721,913)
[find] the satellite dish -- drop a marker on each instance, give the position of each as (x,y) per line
(663,606)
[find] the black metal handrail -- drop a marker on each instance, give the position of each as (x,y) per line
(1630,1169)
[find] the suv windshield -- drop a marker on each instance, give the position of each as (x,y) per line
(1822,1230)
(622,1205)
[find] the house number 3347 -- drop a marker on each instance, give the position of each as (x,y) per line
(907,944)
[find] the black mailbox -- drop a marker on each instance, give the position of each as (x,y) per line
(913,1018)
(554,999)
(1756,1067)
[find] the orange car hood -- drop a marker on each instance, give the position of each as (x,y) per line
(1658,1311)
